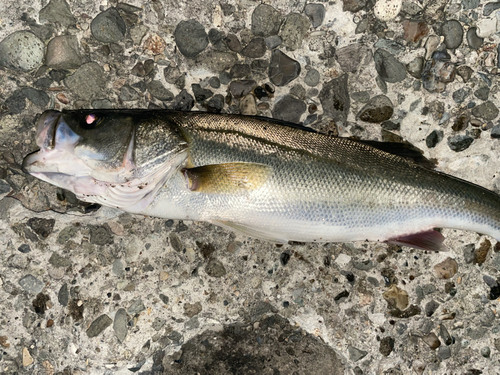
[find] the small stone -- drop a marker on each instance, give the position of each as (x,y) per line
(42,227)
(137,33)
(351,57)
(233,43)
(334,97)
(396,297)
(240,71)
(432,340)
(192,309)
(24,248)
(386,10)
(118,268)
(487,111)
(108,26)
(216,61)
(27,358)
(63,52)
(248,106)
(486,27)
(22,50)
(158,323)
(431,307)
(289,109)
(312,78)
(453,34)
(415,67)
(481,253)
(255,49)
(293,30)
(316,13)
(100,235)
(388,67)
(215,268)
(266,21)
(59,261)
(215,104)
(88,81)
(282,69)
(40,303)
(490,8)
(386,346)
(446,269)
(4,342)
(482,93)
(465,72)
(444,352)
(99,325)
(190,38)
(485,351)
(415,30)
(434,138)
(461,94)
(273,41)
(473,40)
(157,90)
(353,6)
(377,110)
(31,284)
(63,295)
(495,132)
(356,354)
(460,142)
(183,101)
(136,307)
(57,11)
(241,88)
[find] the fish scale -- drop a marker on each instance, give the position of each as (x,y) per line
(283,183)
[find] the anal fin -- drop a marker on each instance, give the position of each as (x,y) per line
(431,240)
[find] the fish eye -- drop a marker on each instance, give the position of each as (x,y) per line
(90,118)
(90,121)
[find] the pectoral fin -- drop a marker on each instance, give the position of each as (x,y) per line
(226,178)
(430,240)
(260,233)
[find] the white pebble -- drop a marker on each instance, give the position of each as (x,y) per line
(386,10)
(486,27)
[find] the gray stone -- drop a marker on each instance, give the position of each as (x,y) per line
(495,132)
(88,81)
(215,268)
(490,7)
(31,284)
(63,295)
(216,61)
(356,354)
(289,109)
(482,93)
(191,38)
(99,325)
(120,324)
(66,234)
(57,11)
(415,67)
(312,78)
(24,248)
(334,97)
(461,94)
(100,235)
(444,352)
(453,34)
(200,94)
(183,101)
(37,97)
(22,50)
(434,138)
(316,13)
(485,351)
(378,109)
(158,323)
(282,69)
(388,67)
(59,261)
(240,71)
(241,88)
(266,20)
(391,46)
(157,90)
(108,26)
(487,111)
(255,49)
(353,5)
(118,268)
(42,227)
(473,40)
(273,41)
(293,31)
(351,57)
(233,43)
(386,346)
(63,52)
(460,142)
(128,93)
(136,307)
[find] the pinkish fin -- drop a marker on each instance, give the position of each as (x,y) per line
(430,240)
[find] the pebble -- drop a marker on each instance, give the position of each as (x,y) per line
(88,81)
(24,248)
(99,325)
(316,13)
(108,26)
(293,30)
(334,97)
(436,74)
(31,284)
(378,109)
(215,268)
(473,40)
(158,91)
(495,132)
(356,354)
(353,5)
(482,93)
(183,101)
(42,227)
(460,142)
(414,31)
(63,53)
(63,295)
(312,78)
(200,94)
(387,10)
(434,138)
(233,43)
(120,324)
(386,346)
(289,109)
(192,309)
(248,105)
(59,261)
(453,34)
(431,307)
(461,94)
(465,72)
(190,38)
(22,50)
(444,352)
(216,61)
(390,46)
(415,67)
(485,351)
(241,88)
(351,57)
(490,8)
(487,111)
(240,71)
(136,307)
(396,297)
(255,49)
(446,269)
(388,67)
(215,104)
(273,41)
(128,93)
(57,11)
(432,340)
(27,358)
(37,97)
(266,21)
(282,69)
(486,27)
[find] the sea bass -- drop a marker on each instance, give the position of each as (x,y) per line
(258,176)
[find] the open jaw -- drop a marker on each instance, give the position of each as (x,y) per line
(62,162)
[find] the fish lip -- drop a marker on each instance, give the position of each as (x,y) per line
(26,163)
(47,125)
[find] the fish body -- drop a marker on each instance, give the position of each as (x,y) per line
(256,176)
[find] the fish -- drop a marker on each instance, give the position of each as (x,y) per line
(268,179)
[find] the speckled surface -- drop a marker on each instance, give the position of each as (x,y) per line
(99,291)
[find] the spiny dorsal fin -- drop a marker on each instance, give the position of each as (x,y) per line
(226,178)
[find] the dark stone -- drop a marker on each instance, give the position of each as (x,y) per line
(461,94)
(100,235)
(215,268)
(241,88)
(386,346)
(490,8)
(24,248)
(200,94)
(43,83)
(390,125)
(42,227)
(353,6)
(289,109)
(316,13)
(108,26)
(334,97)
(63,295)
(431,307)
(191,38)
(495,132)
(255,49)
(58,75)
(284,258)
(465,72)
(88,81)
(266,20)
(16,103)
(343,294)
(351,57)
(157,90)
(40,303)
(378,109)
(99,325)
(233,43)
(388,67)
(473,40)
(282,69)
(487,111)
(183,101)
(57,11)
(215,104)
(240,71)
(453,33)
(460,142)
(59,261)
(434,138)
(482,93)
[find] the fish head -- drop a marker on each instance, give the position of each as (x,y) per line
(117,158)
